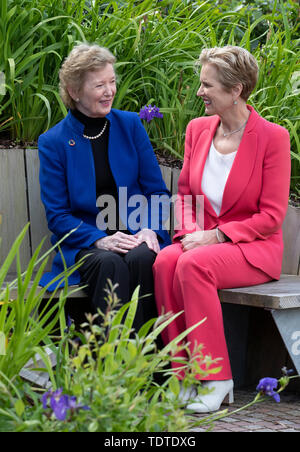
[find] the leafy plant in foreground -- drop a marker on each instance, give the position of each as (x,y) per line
(25,323)
(108,378)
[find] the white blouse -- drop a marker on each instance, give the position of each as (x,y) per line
(216,171)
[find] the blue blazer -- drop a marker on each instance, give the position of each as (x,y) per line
(68,184)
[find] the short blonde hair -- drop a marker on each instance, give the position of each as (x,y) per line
(82,59)
(234,65)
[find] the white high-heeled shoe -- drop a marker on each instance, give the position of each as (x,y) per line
(221,392)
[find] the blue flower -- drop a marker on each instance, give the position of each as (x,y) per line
(267,386)
(69,324)
(45,399)
(148,113)
(61,403)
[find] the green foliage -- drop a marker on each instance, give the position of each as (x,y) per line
(112,373)
(24,322)
(156,45)
(33,42)
(112,370)
(118,379)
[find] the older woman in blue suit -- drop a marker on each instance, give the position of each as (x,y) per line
(99,178)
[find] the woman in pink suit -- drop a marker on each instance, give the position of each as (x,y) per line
(240,164)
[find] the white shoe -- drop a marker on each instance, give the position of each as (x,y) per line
(221,392)
(187,394)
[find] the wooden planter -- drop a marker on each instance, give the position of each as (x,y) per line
(20,203)
(291,237)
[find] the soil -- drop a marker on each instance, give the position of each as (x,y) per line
(6,143)
(163,157)
(294,200)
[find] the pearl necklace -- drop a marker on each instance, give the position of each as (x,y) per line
(235,131)
(96,136)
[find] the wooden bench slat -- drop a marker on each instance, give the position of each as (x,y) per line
(282,294)
(78,292)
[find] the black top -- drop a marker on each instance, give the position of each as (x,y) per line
(105,183)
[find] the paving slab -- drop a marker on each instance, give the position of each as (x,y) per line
(266,416)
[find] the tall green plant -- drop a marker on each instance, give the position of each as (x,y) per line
(32,45)
(25,323)
(156,45)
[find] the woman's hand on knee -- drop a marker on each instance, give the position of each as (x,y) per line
(199,238)
(118,242)
(150,237)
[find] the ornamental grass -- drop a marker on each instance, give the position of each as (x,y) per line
(156,44)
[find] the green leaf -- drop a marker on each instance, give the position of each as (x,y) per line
(174,385)
(2,343)
(19,407)
(105,349)
(93,427)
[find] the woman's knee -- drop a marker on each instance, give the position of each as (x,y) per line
(140,256)
(167,258)
(194,260)
(103,259)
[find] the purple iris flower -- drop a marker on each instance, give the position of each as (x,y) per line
(61,403)
(148,113)
(45,399)
(69,323)
(267,386)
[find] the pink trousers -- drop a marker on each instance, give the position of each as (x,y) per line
(189,281)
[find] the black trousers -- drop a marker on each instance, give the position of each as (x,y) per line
(128,271)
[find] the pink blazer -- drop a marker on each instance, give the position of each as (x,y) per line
(256,194)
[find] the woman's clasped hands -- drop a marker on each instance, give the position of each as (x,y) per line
(122,243)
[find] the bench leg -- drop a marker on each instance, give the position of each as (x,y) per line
(288,324)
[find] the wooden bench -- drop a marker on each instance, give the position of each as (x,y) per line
(243,317)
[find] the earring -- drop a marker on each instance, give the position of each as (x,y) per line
(235,102)
(77,100)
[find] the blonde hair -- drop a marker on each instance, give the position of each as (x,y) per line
(234,65)
(82,59)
